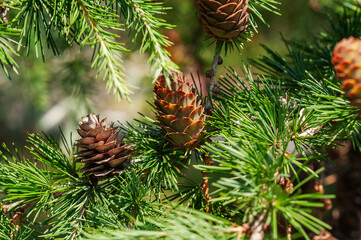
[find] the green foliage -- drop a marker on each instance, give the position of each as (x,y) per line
(310,58)
(8,230)
(175,225)
(258,122)
(191,195)
(6,50)
(98,24)
(339,5)
(308,76)
(160,163)
(88,23)
(134,197)
(256,7)
(252,183)
(23,182)
(46,150)
(71,202)
(140,15)
(267,137)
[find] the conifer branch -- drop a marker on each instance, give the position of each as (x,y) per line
(19,207)
(83,21)
(106,49)
(259,183)
(6,50)
(140,15)
(6,34)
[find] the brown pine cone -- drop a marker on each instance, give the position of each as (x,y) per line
(224,19)
(104,154)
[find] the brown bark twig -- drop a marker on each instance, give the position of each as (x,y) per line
(239,229)
(205,185)
(19,212)
(9,207)
(257,228)
(289,232)
(211,74)
(207,160)
(72,236)
(17,218)
(324,235)
(134,215)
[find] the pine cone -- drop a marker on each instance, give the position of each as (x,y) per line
(224,19)
(179,111)
(104,154)
(347,60)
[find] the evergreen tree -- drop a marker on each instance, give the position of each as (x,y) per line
(245,160)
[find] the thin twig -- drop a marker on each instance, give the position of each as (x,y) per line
(72,236)
(4,10)
(213,72)
(6,208)
(308,132)
(19,212)
(9,207)
(324,235)
(205,185)
(17,222)
(289,232)
(257,228)
(134,215)
(239,229)
(207,160)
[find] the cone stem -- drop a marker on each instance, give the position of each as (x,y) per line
(214,68)
(213,71)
